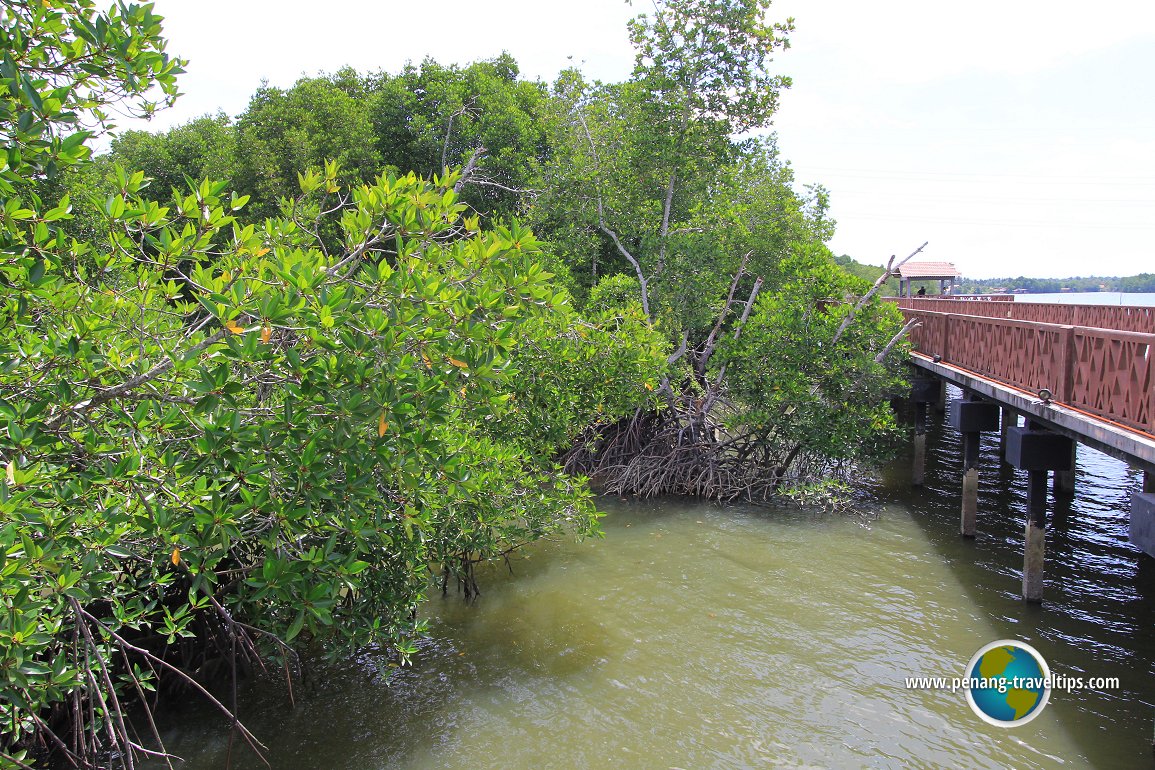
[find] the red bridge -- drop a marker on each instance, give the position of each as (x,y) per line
(1076,373)
(1097,359)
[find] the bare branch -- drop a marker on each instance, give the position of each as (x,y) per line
(490,183)
(130,384)
(667,204)
(749,306)
(681,351)
(712,339)
(890,269)
(642,282)
(717,390)
(466,109)
(906,329)
(470,168)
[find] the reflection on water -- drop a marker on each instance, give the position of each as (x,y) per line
(698,636)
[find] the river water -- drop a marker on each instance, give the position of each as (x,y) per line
(701,636)
(1092,298)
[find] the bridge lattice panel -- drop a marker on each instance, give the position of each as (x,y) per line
(1105,372)
(1121,317)
(1112,376)
(1028,356)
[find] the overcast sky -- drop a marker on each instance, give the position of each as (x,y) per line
(1017,136)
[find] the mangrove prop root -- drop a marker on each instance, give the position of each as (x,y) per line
(686,449)
(98,735)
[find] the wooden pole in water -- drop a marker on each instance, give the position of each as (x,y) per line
(918,472)
(1035,540)
(970,483)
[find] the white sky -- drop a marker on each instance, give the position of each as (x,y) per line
(1017,136)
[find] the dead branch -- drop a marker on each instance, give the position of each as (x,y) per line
(891,267)
(465,110)
(643,284)
(470,168)
(712,340)
(668,202)
(664,232)
(681,351)
(478,181)
(749,306)
(721,378)
(906,329)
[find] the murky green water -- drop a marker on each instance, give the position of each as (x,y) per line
(696,636)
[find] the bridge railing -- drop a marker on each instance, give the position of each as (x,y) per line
(1105,372)
(1122,317)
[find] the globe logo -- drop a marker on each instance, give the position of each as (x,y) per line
(1008,683)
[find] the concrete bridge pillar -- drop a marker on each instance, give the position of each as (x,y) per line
(1065,480)
(1036,451)
(923,391)
(970,418)
(918,469)
(940,402)
(1010,419)
(1035,537)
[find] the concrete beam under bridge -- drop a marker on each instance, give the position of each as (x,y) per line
(1142,529)
(1130,446)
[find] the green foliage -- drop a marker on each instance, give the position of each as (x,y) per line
(204,148)
(1143,282)
(582,372)
(709,59)
(869,273)
(292,451)
(224,437)
(814,389)
(423,119)
(647,180)
(752,220)
(613,291)
(650,165)
(284,132)
(62,63)
(262,412)
(638,184)
(429,117)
